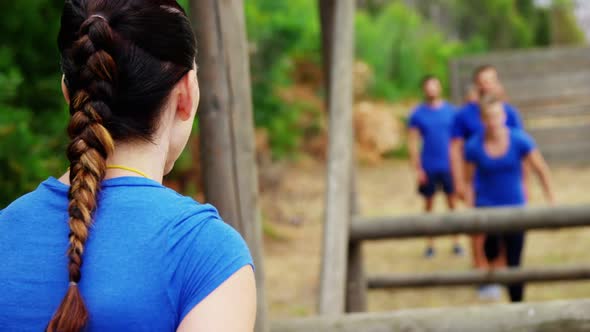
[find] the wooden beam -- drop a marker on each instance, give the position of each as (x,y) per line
(356,290)
(558,316)
(502,276)
(227,125)
(470,222)
(356,285)
(337,215)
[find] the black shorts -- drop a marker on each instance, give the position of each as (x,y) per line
(437,181)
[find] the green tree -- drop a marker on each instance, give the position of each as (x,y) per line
(402,47)
(32,111)
(280,32)
(564,27)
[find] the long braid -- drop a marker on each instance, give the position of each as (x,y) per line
(91,144)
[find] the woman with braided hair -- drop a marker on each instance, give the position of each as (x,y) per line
(106,247)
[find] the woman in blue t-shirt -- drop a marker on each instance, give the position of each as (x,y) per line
(498,157)
(106,247)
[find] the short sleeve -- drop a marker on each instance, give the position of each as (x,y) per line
(414,121)
(470,151)
(458,129)
(526,143)
(513,119)
(206,252)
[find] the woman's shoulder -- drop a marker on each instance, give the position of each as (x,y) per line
(522,140)
(200,223)
(520,135)
(32,201)
(203,252)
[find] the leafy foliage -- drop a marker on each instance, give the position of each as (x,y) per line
(402,48)
(32,111)
(279,37)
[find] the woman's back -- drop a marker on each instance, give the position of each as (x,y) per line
(123,254)
(151,256)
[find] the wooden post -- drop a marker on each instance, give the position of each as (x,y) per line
(356,284)
(337,215)
(227,125)
(356,288)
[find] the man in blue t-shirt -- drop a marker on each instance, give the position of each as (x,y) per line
(430,122)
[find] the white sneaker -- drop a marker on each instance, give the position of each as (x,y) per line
(491,292)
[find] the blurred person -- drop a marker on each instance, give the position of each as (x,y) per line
(106,247)
(471,94)
(498,155)
(430,125)
(467,123)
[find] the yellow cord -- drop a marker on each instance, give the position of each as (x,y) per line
(125,168)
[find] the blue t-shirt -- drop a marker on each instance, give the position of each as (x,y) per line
(434,125)
(152,256)
(468,120)
(500,179)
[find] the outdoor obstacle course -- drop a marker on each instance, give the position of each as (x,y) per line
(228,155)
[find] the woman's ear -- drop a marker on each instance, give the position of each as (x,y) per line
(64,89)
(187,94)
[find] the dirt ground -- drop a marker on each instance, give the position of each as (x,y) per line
(293,226)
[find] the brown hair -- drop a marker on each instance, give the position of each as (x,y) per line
(487,101)
(480,69)
(120,61)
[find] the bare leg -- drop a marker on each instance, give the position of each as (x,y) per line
(479,257)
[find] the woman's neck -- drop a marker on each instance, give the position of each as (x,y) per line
(496,135)
(147,158)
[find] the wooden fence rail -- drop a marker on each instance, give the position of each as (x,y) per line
(500,276)
(570,316)
(470,222)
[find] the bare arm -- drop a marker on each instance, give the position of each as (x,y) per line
(414,150)
(539,166)
(468,193)
(457,166)
(230,308)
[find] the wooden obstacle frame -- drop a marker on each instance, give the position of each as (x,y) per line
(504,220)
(229,171)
